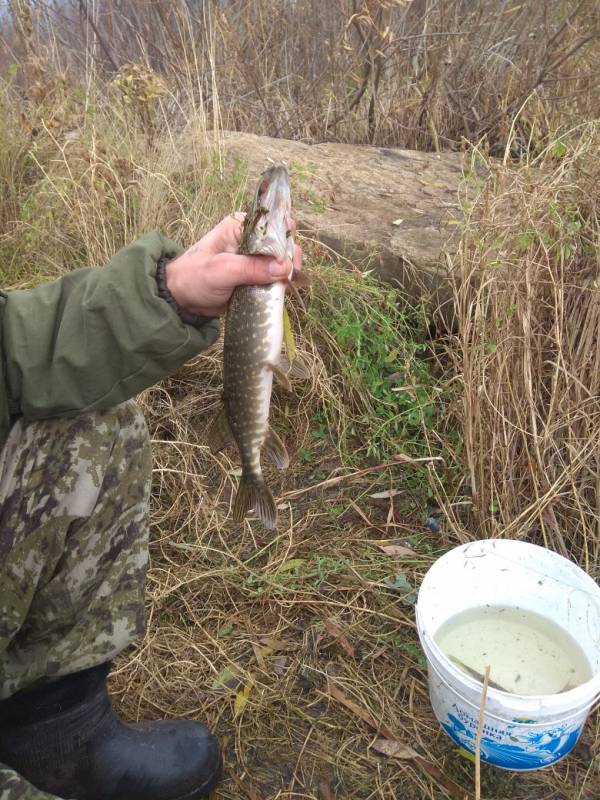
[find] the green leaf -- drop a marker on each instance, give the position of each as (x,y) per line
(524,240)
(466,754)
(399,581)
(559,149)
(225,630)
(230,679)
(290,565)
(306,454)
(409,599)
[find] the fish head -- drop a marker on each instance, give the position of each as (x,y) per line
(267,229)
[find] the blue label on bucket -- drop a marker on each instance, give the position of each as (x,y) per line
(511,747)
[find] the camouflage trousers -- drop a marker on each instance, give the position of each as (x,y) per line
(74,497)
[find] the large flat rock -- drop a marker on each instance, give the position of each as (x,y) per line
(394,211)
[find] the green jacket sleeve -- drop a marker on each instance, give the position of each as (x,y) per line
(95,337)
(14,787)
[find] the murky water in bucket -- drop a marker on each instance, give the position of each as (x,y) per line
(528,653)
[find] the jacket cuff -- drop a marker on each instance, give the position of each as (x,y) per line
(163,291)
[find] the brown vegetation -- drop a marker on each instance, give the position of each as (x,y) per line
(295,645)
(425,74)
(528,350)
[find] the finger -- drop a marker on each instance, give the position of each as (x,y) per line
(297,257)
(234,269)
(224,237)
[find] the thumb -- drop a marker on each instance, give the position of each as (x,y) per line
(239,269)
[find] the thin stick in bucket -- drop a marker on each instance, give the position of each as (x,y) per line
(486,678)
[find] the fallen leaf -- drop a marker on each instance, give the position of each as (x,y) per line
(229,679)
(280,665)
(396,550)
(225,630)
(241,699)
(398,749)
(325,791)
(403,752)
(267,647)
(394,748)
(276,644)
(334,630)
(260,654)
(387,493)
(357,710)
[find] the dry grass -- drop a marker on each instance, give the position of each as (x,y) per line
(286,620)
(526,288)
(259,633)
(426,74)
(293,616)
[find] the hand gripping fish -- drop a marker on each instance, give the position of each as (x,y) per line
(252,351)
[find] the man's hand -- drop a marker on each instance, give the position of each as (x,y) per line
(202,279)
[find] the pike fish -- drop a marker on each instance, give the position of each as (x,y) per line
(252,351)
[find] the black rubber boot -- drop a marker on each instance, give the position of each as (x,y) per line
(65,738)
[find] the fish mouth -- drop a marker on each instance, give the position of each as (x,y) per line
(269,223)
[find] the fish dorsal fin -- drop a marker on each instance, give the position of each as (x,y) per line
(275,450)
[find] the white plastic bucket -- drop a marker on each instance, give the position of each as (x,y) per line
(519,732)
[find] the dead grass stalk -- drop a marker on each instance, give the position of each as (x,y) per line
(528,349)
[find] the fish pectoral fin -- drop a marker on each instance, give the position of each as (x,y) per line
(301,279)
(294,369)
(280,376)
(288,336)
(291,363)
(275,450)
(257,495)
(220,435)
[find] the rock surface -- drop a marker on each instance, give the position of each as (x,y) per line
(394,211)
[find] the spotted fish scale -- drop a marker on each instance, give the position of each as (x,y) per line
(252,351)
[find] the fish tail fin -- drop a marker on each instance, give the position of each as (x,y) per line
(253,493)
